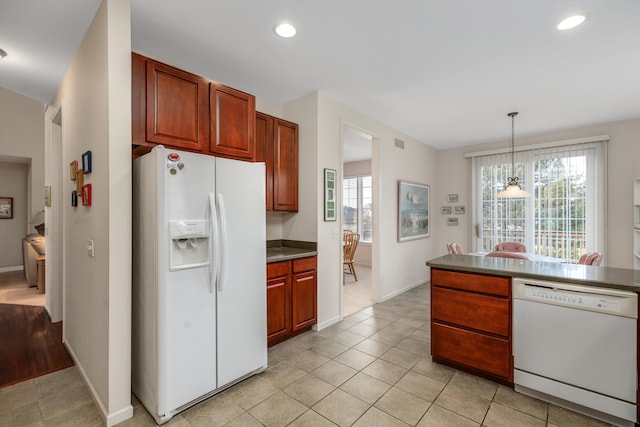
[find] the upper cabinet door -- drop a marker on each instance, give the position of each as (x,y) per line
(264,152)
(285,166)
(177,111)
(232,116)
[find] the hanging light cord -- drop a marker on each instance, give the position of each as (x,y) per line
(514,179)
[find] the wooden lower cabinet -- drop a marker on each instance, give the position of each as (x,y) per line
(291,298)
(471,323)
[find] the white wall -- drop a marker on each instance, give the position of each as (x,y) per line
(14,178)
(396,266)
(95,98)
(22,136)
(623,165)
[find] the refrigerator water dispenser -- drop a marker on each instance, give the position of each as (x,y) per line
(189,244)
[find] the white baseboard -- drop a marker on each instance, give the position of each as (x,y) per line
(11,268)
(326,323)
(399,291)
(110,419)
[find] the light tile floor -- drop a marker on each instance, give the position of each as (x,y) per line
(371,369)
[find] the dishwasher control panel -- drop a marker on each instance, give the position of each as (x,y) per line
(581,297)
(573,299)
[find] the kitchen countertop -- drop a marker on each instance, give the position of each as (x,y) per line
(588,275)
(283,250)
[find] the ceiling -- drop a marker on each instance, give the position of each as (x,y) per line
(444,72)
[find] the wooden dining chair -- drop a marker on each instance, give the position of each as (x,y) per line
(511,247)
(350,244)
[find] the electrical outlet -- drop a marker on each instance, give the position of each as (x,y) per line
(90,248)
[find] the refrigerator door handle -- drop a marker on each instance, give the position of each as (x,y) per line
(223,243)
(214,248)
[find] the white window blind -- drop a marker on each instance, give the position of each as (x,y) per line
(564,217)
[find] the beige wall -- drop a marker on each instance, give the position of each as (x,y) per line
(95,100)
(22,137)
(14,179)
(623,165)
(396,266)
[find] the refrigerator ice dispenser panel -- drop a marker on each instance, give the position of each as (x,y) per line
(189,244)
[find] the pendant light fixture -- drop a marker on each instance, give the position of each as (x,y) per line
(513,190)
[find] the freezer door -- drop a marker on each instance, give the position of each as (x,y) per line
(242,330)
(186,306)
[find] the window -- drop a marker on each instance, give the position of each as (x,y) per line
(563,219)
(357,206)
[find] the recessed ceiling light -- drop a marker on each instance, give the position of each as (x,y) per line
(571,22)
(2,53)
(285,31)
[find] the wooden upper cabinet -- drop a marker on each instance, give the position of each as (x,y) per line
(232,122)
(264,151)
(285,166)
(277,146)
(176,107)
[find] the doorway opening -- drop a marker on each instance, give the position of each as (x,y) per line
(358,214)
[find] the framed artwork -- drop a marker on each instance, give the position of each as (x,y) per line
(445,210)
(413,211)
(6,207)
(79,181)
(329,194)
(86,162)
(452,198)
(47,196)
(74,198)
(73,169)
(452,221)
(458,209)
(86,195)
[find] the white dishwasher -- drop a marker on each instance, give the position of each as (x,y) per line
(576,346)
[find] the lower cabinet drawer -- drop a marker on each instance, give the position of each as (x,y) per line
(480,312)
(485,353)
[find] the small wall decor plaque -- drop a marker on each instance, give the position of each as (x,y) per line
(73,169)
(6,207)
(74,198)
(458,209)
(86,161)
(86,195)
(445,210)
(452,221)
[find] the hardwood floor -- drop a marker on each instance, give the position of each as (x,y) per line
(31,344)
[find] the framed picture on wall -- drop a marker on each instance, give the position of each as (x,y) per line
(6,207)
(86,162)
(73,169)
(413,211)
(330,194)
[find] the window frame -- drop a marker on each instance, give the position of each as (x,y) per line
(525,159)
(360,206)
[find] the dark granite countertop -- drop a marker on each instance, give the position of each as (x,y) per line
(588,275)
(283,250)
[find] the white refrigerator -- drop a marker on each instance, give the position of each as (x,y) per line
(199,277)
